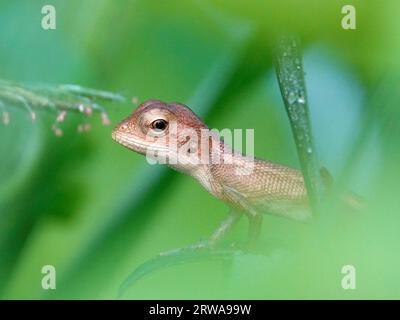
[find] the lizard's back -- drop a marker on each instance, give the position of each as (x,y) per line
(266,187)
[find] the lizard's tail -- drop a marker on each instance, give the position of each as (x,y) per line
(351,199)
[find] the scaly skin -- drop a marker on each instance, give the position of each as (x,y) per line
(247,185)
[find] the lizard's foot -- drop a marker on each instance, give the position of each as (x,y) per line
(213,240)
(201,245)
(205,244)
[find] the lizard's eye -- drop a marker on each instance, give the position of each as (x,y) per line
(159,125)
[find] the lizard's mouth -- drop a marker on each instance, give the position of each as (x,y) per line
(129,141)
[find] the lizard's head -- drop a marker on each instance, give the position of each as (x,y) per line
(160,127)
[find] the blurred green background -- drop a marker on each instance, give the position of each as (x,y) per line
(96,211)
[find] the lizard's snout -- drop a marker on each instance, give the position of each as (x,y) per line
(120,128)
(114,135)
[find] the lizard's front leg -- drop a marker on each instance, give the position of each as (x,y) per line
(217,235)
(220,232)
(224,227)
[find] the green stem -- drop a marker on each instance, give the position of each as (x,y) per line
(289,70)
(54,97)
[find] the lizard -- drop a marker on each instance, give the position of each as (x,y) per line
(249,185)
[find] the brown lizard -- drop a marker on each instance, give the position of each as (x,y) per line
(248,185)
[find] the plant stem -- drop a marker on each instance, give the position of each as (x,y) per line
(289,70)
(54,97)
